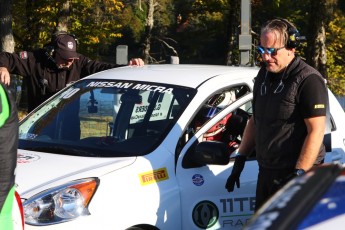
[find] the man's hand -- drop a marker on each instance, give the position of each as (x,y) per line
(136,62)
(236,173)
(4,75)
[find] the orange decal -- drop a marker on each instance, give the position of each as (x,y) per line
(153,176)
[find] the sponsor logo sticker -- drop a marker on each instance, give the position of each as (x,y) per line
(205,214)
(70,45)
(198,179)
(319,106)
(153,176)
(23,55)
(23,158)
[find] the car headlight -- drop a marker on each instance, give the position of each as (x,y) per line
(60,204)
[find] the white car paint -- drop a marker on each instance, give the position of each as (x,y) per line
(156,189)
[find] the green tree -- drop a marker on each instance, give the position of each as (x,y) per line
(149,21)
(202,31)
(335,54)
(197,31)
(94,23)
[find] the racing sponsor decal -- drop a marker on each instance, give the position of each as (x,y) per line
(319,106)
(153,176)
(137,117)
(143,108)
(129,85)
(160,110)
(70,45)
(236,211)
(23,158)
(29,136)
(238,204)
(140,111)
(205,214)
(23,55)
(120,85)
(198,179)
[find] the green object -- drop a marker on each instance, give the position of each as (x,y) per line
(6,212)
(5,108)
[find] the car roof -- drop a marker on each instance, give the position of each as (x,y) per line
(183,74)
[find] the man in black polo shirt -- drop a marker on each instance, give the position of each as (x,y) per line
(289,114)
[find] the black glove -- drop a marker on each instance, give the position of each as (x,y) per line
(235,174)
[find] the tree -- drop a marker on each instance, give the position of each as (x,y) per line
(202,31)
(94,23)
(7,40)
(157,45)
(232,32)
(336,54)
(148,30)
(317,56)
(195,30)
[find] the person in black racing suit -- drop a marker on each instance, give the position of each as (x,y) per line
(8,155)
(51,68)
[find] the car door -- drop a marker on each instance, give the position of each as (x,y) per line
(205,202)
(334,139)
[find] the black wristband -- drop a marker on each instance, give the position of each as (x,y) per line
(299,172)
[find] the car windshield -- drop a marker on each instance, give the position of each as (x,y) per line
(105,118)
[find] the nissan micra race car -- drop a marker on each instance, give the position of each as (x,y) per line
(145,148)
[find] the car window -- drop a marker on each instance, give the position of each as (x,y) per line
(230,128)
(213,105)
(105,118)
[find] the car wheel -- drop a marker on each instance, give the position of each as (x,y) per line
(142,227)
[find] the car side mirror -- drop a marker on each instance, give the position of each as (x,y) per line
(211,152)
(206,152)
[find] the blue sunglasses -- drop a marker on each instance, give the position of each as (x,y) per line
(270,51)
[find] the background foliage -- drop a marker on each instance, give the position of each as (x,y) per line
(198,31)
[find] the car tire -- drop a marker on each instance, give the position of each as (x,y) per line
(145,227)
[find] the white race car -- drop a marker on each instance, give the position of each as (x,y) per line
(145,148)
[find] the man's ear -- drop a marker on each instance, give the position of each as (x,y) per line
(291,51)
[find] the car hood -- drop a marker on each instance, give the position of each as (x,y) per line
(37,171)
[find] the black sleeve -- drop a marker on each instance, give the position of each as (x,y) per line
(4,59)
(21,63)
(312,97)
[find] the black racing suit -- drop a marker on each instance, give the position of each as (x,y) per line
(8,155)
(281,103)
(42,75)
